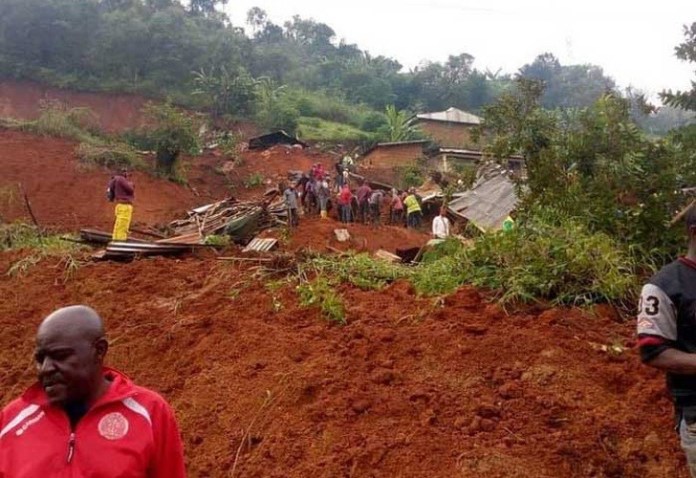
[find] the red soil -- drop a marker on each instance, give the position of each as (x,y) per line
(410,387)
(114,112)
(318,235)
(66,195)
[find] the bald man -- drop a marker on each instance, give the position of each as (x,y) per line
(83,419)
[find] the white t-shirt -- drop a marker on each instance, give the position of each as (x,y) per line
(441,227)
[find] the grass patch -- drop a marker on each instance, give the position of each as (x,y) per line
(79,124)
(253,181)
(110,155)
(316,129)
(320,293)
(21,236)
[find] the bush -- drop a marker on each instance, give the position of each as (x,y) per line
(558,259)
(173,132)
(322,294)
(116,155)
(254,181)
(315,129)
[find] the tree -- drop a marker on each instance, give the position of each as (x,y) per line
(400,126)
(687,52)
(205,7)
(173,133)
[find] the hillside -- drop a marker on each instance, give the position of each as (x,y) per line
(410,387)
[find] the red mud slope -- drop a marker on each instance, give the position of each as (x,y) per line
(66,195)
(411,387)
(115,112)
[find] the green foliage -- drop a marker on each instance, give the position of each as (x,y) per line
(567,86)
(548,257)
(399,126)
(315,129)
(411,176)
(687,52)
(253,181)
(320,293)
(358,269)
(172,132)
(115,155)
(57,119)
(274,107)
(38,246)
(218,241)
(226,93)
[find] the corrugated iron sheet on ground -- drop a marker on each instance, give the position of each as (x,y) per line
(261,245)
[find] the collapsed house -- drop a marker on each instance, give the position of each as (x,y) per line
(269,140)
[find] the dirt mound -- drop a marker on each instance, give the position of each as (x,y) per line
(410,387)
(67,195)
(114,112)
(317,234)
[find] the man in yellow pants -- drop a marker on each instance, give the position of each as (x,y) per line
(122,192)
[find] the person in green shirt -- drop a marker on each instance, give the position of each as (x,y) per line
(414,214)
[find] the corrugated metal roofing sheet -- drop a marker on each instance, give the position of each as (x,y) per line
(451,115)
(261,245)
(487,205)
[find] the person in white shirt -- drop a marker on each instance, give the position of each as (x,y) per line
(441,225)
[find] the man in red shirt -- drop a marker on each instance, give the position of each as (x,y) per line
(123,194)
(82,419)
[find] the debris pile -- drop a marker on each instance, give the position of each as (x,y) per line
(241,221)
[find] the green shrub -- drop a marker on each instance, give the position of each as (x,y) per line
(322,294)
(558,260)
(315,129)
(112,155)
(253,181)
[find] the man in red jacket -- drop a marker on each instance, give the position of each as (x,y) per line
(82,419)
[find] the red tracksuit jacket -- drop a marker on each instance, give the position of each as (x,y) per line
(130,432)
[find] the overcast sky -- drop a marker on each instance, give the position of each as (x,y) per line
(633,41)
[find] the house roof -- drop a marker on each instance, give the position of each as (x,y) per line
(488,204)
(451,115)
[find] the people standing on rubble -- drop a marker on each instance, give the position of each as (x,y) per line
(339,174)
(363,193)
(323,192)
(291,203)
(376,199)
(309,197)
(345,197)
(121,190)
(414,214)
(441,225)
(396,209)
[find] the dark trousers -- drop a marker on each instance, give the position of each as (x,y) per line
(346,213)
(397,217)
(414,219)
(293,217)
(376,214)
(364,211)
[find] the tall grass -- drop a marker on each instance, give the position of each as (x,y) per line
(79,124)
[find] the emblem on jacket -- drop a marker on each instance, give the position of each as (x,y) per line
(113,426)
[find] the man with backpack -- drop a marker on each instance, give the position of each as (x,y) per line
(121,190)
